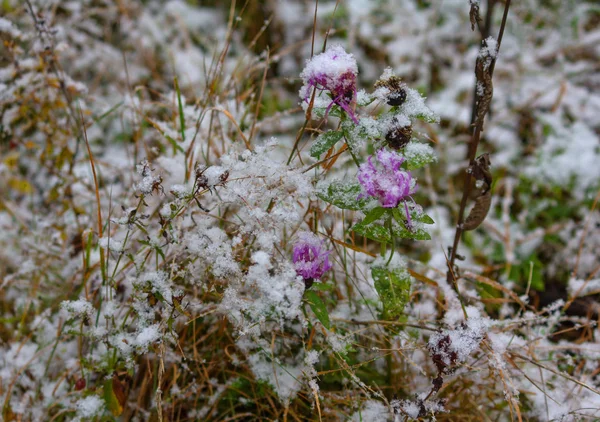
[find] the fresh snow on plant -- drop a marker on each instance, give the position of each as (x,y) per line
(334,72)
(180,241)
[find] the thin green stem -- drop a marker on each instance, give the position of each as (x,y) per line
(392,250)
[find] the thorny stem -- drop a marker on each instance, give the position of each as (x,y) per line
(472,151)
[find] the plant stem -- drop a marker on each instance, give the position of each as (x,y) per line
(389,224)
(484,30)
(352,154)
(472,152)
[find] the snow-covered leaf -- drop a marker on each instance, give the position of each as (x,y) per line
(324,142)
(318,307)
(343,195)
(393,287)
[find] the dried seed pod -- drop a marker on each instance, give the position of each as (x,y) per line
(474,14)
(399,136)
(397,98)
(443,354)
(224,176)
(479,211)
(349,95)
(308,282)
(480,170)
(437,382)
(201,179)
(485,87)
(397,93)
(157,185)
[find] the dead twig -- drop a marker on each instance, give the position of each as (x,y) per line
(482,110)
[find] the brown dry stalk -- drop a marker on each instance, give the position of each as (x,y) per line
(472,151)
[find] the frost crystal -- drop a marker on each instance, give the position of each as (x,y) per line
(310,258)
(388,184)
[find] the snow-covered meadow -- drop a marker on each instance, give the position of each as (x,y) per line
(246,210)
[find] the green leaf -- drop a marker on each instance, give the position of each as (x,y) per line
(319,112)
(373,231)
(427,117)
(114,396)
(174,144)
(425,219)
(414,234)
(323,287)
(530,267)
(180,105)
(108,112)
(373,215)
(324,142)
(393,288)
(160,252)
(318,307)
(418,155)
(343,195)
(401,229)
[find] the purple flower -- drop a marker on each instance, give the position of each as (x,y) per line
(386,182)
(333,71)
(311,260)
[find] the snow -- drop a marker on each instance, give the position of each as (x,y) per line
(78,308)
(568,157)
(8,27)
(224,259)
(489,48)
(159,282)
(372,411)
(111,243)
(411,409)
(339,344)
(285,379)
(419,152)
(146,185)
(415,106)
(148,336)
(579,287)
(454,346)
(90,407)
(213,174)
(333,64)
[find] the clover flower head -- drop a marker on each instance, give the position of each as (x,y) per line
(386,182)
(310,257)
(333,71)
